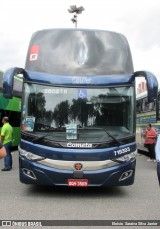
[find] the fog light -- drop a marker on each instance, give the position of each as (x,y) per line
(29,173)
(125,175)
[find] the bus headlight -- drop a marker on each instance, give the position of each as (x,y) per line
(30,156)
(126,157)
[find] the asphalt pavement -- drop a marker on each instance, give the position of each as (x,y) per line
(140,201)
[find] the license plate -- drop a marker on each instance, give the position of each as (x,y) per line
(77,182)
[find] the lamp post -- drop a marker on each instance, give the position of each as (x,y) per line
(76,10)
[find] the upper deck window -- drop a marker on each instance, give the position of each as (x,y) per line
(79,52)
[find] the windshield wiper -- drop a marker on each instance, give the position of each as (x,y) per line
(109,134)
(40,138)
(115,139)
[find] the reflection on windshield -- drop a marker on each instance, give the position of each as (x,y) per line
(79,52)
(82,114)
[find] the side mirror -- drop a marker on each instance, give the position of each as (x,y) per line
(8,78)
(152,84)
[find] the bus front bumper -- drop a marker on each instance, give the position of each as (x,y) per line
(39,174)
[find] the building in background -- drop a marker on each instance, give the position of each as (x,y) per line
(142,87)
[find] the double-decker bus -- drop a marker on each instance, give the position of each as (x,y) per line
(147,112)
(79,109)
(12,108)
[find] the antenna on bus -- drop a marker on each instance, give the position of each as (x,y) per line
(76,10)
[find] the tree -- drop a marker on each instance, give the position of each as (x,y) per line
(60,114)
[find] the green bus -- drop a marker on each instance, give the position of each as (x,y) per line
(12,108)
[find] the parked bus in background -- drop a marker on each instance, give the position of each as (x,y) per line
(12,108)
(78,109)
(147,112)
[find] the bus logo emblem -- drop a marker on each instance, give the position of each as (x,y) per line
(78,166)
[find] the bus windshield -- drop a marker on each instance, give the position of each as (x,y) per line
(84,114)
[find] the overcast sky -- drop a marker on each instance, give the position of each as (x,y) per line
(138,20)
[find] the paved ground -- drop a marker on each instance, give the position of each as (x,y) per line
(140,201)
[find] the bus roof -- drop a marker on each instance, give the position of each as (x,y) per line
(79,52)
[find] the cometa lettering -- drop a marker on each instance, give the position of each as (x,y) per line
(79,145)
